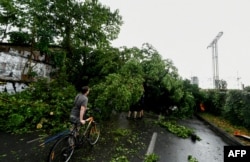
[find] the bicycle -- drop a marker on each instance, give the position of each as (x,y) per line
(64,147)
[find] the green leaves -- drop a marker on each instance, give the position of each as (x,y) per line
(179,130)
(16,120)
(116,93)
(236,108)
(232,105)
(192,159)
(151,158)
(44,105)
(82,32)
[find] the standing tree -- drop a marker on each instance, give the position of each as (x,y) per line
(78,27)
(8,17)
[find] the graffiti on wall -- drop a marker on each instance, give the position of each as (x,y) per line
(16,66)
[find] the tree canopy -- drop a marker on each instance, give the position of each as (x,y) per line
(84,30)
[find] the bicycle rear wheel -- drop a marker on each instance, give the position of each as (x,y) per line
(93,133)
(63,149)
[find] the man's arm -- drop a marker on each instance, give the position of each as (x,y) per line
(82,113)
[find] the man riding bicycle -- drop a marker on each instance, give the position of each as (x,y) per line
(80,106)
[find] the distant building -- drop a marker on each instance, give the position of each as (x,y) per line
(195,80)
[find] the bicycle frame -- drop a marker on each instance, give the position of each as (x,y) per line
(90,120)
(75,138)
(75,129)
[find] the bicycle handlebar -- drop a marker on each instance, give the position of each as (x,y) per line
(90,119)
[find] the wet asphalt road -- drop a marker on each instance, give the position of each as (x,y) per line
(171,148)
(168,146)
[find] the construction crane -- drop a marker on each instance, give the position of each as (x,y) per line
(214,47)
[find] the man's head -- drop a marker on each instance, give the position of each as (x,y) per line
(85,90)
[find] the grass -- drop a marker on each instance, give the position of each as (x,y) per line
(227,126)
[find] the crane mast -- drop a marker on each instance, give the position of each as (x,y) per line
(214,47)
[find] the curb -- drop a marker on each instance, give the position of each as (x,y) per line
(227,137)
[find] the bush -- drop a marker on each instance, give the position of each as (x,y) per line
(43,105)
(215,101)
(237,108)
(246,109)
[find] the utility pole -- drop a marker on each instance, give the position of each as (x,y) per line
(214,47)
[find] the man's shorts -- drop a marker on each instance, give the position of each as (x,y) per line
(74,119)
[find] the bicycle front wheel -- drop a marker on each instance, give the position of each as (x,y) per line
(63,149)
(94,133)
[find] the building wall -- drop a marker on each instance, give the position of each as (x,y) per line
(13,67)
(195,80)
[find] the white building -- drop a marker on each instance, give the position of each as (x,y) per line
(195,80)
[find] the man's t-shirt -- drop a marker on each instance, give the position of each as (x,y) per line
(80,100)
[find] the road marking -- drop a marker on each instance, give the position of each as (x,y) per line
(152,144)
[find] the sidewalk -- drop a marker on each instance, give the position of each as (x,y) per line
(233,141)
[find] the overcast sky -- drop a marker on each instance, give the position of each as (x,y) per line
(181,30)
